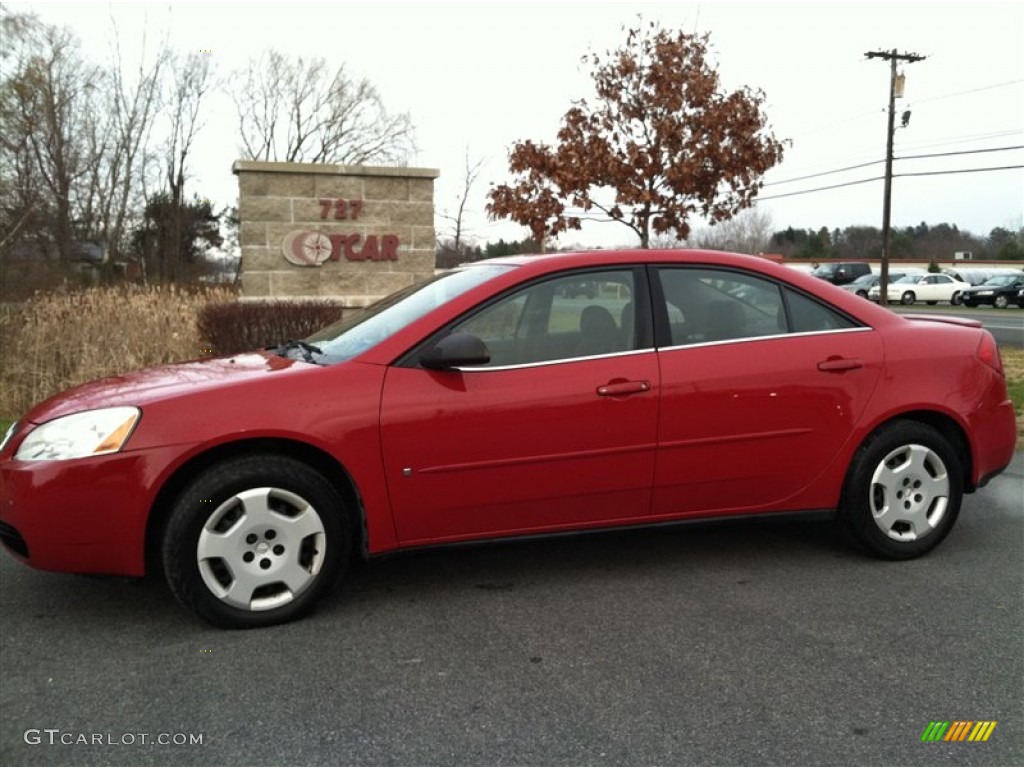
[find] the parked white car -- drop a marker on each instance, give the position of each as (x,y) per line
(930,288)
(862,285)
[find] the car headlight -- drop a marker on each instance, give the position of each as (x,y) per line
(89,433)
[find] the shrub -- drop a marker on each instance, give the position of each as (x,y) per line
(60,339)
(239,326)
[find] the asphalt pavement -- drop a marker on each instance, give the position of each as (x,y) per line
(744,643)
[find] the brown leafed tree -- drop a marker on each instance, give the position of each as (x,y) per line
(660,143)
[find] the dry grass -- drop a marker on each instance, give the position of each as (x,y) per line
(1013,364)
(57,340)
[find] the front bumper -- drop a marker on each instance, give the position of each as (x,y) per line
(82,515)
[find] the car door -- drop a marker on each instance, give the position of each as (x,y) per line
(761,386)
(937,288)
(558,430)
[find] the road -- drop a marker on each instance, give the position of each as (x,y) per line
(749,643)
(1006,325)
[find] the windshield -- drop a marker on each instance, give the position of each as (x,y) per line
(825,270)
(1002,280)
(359,332)
(868,279)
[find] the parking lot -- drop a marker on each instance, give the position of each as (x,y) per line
(748,643)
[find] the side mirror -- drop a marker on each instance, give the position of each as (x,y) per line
(455,351)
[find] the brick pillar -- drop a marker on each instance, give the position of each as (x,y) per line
(351,234)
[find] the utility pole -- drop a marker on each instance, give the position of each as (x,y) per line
(893,56)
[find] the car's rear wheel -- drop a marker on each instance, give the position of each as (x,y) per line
(908,297)
(1001,302)
(903,491)
(254,541)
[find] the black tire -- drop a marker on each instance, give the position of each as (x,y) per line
(908,297)
(917,462)
(955,298)
(1001,302)
(862,294)
(297,541)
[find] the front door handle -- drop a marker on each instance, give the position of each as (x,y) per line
(839,364)
(618,388)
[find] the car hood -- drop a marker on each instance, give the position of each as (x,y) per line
(153,384)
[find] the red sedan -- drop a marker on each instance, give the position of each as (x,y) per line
(498,400)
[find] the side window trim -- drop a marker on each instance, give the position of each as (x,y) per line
(754,339)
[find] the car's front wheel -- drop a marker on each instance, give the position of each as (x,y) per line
(254,541)
(908,297)
(903,491)
(1001,302)
(955,298)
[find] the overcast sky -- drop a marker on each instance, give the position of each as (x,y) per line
(483,75)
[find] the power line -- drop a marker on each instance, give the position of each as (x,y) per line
(964,170)
(964,152)
(964,139)
(972,90)
(878,110)
(917,145)
(880,178)
(819,189)
(902,157)
(824,173)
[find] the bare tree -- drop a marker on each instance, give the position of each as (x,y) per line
(50,98)
(191,81)
(748,232)
(298,110)
(74,136)
(454,246)
(133,105)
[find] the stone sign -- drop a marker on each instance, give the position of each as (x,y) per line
(351,234)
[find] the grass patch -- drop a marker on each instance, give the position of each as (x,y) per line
(1013,364)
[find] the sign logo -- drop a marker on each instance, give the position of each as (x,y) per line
(958,730)
(306,249)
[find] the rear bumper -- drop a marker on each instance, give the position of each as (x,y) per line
(995,438)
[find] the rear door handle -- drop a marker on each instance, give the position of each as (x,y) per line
(839,364)
(623,388)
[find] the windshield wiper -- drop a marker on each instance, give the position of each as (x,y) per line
(308,350)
